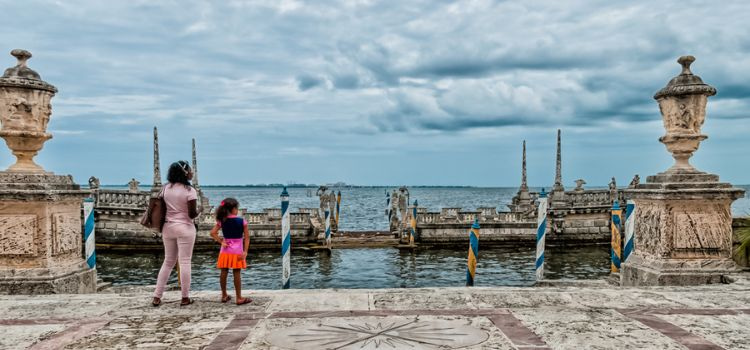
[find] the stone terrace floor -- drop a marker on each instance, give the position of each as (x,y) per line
(575,315)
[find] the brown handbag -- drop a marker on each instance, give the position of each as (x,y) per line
(156,213)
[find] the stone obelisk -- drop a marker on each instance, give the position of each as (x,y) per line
(558,190)
(156,185)
(683,221)
(40,213)
(522,200)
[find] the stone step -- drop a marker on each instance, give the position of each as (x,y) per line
(102,285)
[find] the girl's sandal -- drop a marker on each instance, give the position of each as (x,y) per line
(244,301)
(226,299)
(156,302)
(186,301)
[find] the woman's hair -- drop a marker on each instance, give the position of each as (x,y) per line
(225,208)
(178,173)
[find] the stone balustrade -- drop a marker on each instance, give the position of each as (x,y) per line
(256,218)
(449,212)
(273,213)
(457,215)
(588,198)
(511,218)
(299,218)
(313,212)
(468,217)
(429,218)
(487,213)
(122,199)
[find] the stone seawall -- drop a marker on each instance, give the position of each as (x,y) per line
(737,225)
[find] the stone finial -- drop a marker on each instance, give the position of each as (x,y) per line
(94,183)
(686,83)
(22,76)
(157,168)
(579,185)
(133,185)
(22,56)
(635,182)
(686,61)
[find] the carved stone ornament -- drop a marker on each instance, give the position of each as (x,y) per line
(682,104)
(25,111)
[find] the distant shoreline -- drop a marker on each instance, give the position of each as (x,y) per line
(370,186)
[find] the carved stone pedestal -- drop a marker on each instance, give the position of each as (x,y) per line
(683,232)
(40,236)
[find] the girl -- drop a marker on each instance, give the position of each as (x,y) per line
(234,246)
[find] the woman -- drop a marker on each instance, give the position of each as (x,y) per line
(178,233)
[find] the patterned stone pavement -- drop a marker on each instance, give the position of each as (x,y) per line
(585,315)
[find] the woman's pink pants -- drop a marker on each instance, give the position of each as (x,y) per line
(178,245)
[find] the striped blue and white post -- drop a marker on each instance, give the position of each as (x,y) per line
(286,240)
(328,228)
(471,267)
(413,230)
(388,205)
(338,209)
(541,232)
(88,232)
(629,230)
(616,237)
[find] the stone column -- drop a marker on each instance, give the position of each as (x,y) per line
(40,213)
(683,221)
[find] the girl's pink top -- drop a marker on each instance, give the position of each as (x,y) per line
(234,245)
(177,196)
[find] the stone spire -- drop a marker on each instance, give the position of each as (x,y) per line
(558,167)
(157,171)
(524,185)
(195,168)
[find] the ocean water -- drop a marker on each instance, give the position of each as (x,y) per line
(370,267)
(363,209)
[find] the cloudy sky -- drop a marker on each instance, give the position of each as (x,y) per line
(375,92)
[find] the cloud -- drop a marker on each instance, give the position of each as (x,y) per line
(306,82)
(293,76)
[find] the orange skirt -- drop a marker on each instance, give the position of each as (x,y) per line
(231,261)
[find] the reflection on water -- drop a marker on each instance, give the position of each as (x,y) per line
(370,268)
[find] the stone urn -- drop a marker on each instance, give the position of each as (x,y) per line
(683,107)
(25,111)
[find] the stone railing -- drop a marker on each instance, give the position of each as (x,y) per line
(456,215)
(313,212)
(269,216)
(429,218)
(511,218)
(299,218)
(122,199)
(273,213)
(449,212)
(256,218)
(468,217)
(488,213)
(588,198)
